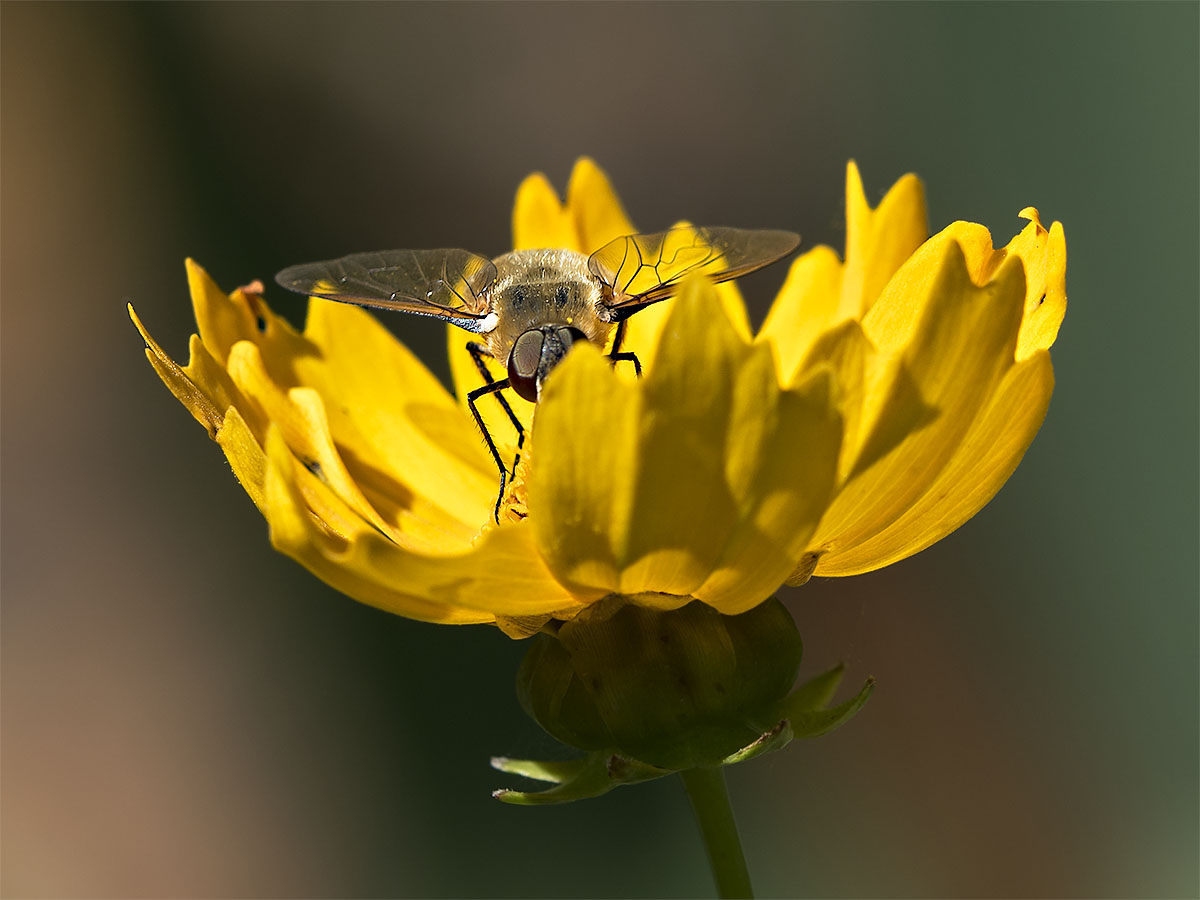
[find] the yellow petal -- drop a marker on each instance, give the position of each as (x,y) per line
(820,292)
(735,309)
(376,394)
(806,306)
(299,416)
(539,219)
(573,505)
(956,339)
(1044,254)
(594,208)
(500,575)
(781,465)
(400,432)
(224,319)
(644,329)
(296,532)
(591,217)
(682,508)
(987,455)
(205,391)
(419,495)
(245,455)
(667,485)
(880,402)
(203,386)
(878,241)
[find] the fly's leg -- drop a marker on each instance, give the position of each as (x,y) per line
(478,352)
(617,356)
(472,396)
(628,357)
(619,337)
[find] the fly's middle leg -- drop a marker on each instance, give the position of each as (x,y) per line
(617,356)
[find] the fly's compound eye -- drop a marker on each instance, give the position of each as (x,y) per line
(535,353)
(523,364)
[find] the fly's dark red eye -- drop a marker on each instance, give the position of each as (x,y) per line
(535,353)
(523,364)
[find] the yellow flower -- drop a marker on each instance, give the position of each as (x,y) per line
(941,352)
(885,401)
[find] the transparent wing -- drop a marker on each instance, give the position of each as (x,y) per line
(641,269)
(449,284)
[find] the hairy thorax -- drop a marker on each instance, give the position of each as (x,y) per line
(544,287)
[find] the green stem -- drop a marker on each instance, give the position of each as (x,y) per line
(710,801)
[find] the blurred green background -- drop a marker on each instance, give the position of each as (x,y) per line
(186,713)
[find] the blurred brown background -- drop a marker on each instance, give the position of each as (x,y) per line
(186,713)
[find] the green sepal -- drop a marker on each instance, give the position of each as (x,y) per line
(816,692)
(575,779)
(775,739)
(809,719)
(555,771)
(803,715)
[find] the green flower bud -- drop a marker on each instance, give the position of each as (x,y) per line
(674,689)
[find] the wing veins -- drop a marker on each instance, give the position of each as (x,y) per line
(659,262)
(401,280)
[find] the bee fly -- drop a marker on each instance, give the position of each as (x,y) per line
(529,307)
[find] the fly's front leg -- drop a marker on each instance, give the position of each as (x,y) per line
(478,353)
(617,356)
(490,388)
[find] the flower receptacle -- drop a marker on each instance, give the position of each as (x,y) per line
(675,689)
(648,692)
